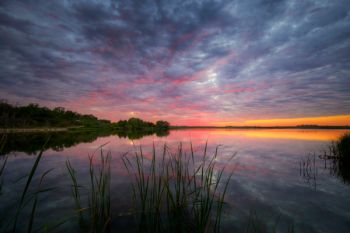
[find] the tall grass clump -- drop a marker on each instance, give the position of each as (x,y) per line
(29,198)
(96,216)
(341,147)
(340,158)
(176,192)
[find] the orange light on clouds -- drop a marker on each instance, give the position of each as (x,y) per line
(294,134)
(337,120)
(322,120)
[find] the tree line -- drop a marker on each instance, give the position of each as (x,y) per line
(33,115)
(135,124)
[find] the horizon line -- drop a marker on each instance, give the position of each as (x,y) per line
(266,127)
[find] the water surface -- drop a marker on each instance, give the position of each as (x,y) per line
(269,179)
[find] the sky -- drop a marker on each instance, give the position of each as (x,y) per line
(197,62)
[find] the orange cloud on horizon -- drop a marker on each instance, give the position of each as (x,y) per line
(321,120)
(335,120)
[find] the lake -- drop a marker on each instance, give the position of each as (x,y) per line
(278,176)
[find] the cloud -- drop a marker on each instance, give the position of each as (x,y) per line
(179,60)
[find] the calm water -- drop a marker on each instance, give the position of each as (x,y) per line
(268,177)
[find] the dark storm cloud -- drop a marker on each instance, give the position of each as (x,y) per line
(228,59)
(14,23)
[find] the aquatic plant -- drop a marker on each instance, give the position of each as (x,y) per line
(29,196)
(341,147)
(98,208)
(176,192)
(338,158)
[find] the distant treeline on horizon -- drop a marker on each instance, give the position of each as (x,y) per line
(263,127)
(33,115)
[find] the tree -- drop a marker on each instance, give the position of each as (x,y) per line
(162,125)
(135,123)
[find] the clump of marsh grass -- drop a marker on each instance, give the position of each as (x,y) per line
(339,157)
(29,196)
(95,218)
(341,147)
(174,192)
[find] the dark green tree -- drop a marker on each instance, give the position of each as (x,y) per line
(162,125)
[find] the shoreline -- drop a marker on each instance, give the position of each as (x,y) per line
(32,130)
(72,129)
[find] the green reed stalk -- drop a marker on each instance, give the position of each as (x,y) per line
(28,184)
(98,207)
(174,193)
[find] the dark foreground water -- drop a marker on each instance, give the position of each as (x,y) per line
(278,176)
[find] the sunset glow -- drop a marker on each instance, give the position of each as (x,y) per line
(324,120)
(188,62)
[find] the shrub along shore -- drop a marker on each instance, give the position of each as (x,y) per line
(34,118)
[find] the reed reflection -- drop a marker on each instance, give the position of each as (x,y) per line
(336,160)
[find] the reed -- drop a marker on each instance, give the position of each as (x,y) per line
(174,192)
(3,165)
(341,147)
(338,158)
(96,217)
(29,196)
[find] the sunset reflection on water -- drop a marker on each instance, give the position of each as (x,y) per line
(266,173)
